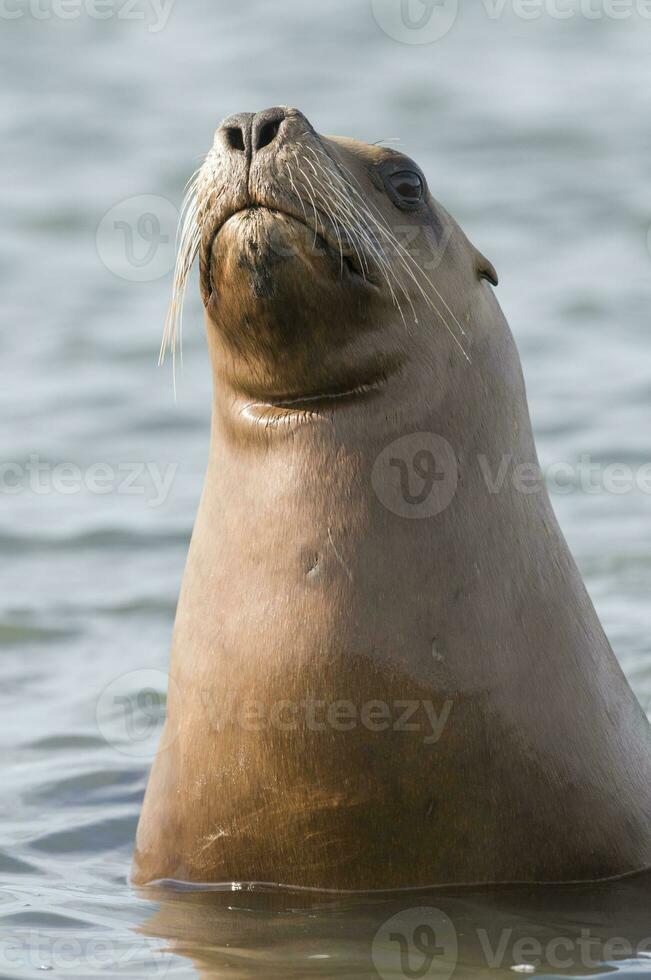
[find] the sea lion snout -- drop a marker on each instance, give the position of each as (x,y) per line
(274,161)
(251,132)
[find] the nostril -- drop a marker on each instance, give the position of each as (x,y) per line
(268,133)
(235,137)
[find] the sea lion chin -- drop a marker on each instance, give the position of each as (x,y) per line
(270,270)
(275,254)
(386,671)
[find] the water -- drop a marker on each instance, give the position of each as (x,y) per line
(535,135)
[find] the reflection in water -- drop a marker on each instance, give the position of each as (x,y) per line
(578,930)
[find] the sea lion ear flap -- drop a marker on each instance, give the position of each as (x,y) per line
(486,269)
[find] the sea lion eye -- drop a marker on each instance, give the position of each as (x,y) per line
(408,186)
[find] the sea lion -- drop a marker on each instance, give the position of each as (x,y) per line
(386,672)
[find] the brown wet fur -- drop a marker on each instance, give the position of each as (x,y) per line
(302,586)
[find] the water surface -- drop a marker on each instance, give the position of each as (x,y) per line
(535,135)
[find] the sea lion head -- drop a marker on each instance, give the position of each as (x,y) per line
(327,268)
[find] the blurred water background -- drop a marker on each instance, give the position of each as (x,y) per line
(534,133)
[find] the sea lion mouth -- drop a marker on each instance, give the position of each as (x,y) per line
(320,238)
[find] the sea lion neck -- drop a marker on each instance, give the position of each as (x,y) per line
(264,390)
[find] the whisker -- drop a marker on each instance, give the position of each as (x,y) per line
(355,214)
(332,215)
(296,191)
(307,180)
(403,255)
(354,217)
(188,240)
(406,252)
(354,240)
